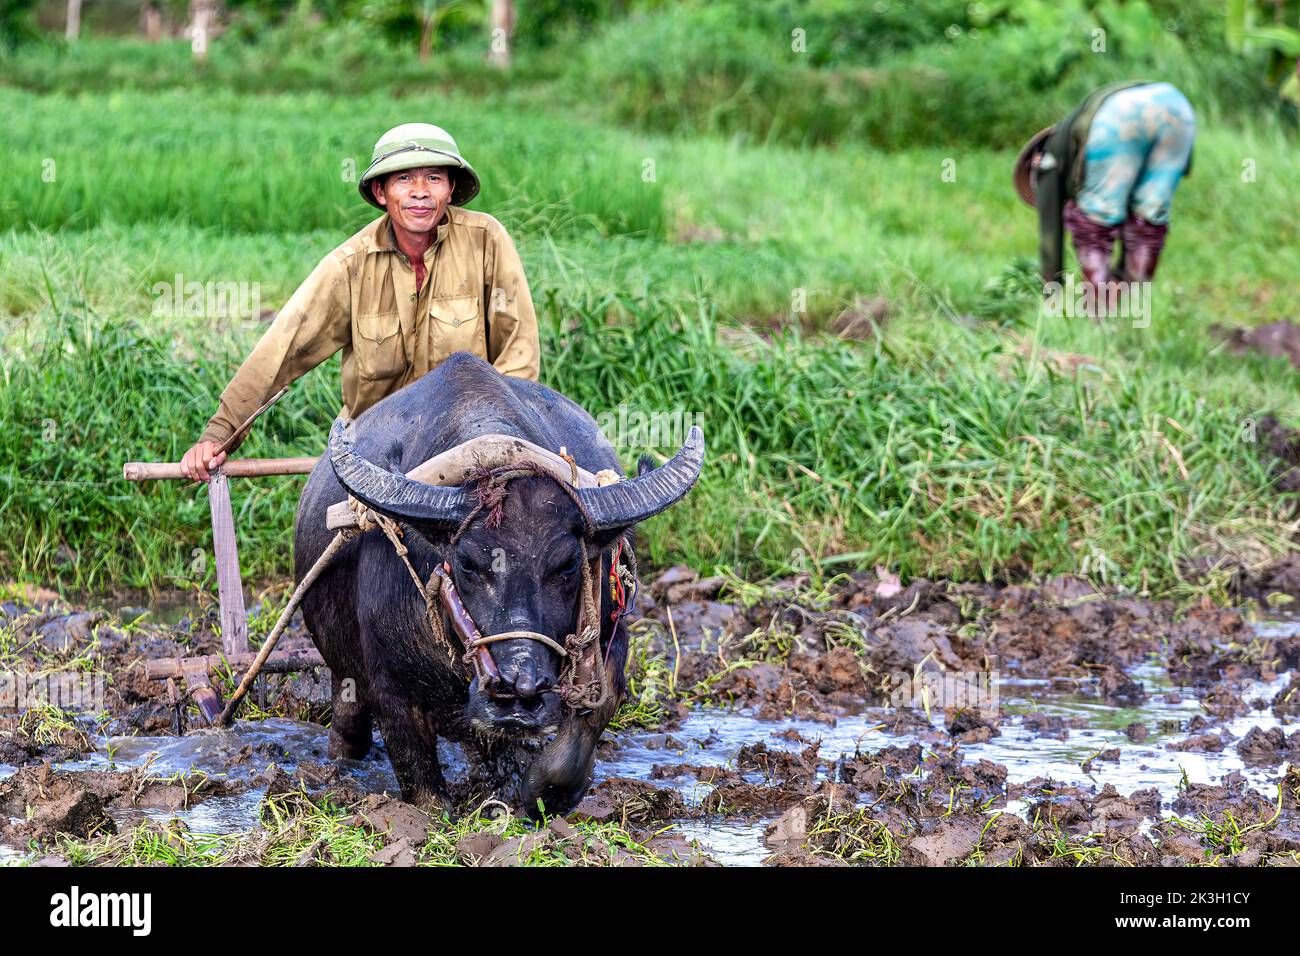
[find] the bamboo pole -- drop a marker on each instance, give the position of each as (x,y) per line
(283,662)
(236,468)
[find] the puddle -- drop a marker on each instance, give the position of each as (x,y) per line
(167,606)
(713,737)
(731,843)
(12,857)
(216,815)
(242,751)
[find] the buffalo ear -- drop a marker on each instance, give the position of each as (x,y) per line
(435,534)
(600,540)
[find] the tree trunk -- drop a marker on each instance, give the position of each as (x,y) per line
(152,22)
(73,30)
(503,29)
(200,28)
(426,38)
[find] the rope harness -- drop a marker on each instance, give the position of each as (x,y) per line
(584,682)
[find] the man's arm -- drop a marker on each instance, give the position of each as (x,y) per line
(313,325)
(512,343)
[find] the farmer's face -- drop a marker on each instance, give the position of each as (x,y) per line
(415,198)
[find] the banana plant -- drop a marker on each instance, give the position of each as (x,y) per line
(431,16)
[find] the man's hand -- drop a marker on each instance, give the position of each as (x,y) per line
(199,459)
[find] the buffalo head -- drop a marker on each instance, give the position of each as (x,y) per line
(522,570)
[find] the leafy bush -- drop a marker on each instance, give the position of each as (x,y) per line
(17,24)
(892,74)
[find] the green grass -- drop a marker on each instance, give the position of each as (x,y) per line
(854,837)
(300,831)
(1222,834)
(154,158)
(818,449)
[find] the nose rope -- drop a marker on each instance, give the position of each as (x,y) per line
(515,635)
(587,686)
(590,695)
(367,519)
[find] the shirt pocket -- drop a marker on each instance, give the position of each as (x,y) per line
(377,345)
(456,325)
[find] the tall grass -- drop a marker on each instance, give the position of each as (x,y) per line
(819,451)
(900,74)
(343,59)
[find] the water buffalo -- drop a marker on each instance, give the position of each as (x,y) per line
(519,569)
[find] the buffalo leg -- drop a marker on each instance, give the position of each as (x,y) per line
(350,726)
(413,749)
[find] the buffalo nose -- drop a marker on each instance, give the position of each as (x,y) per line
(524,680)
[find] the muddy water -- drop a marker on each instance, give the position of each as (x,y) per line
(712,737)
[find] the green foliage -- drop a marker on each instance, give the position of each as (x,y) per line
(936,73)
(540,23)
(16,23)
(403,20)
(295,57)
(891,73)
(1245,20)
(1275,45)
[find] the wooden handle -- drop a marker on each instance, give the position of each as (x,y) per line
(280,662)
(244,429)
(236,468)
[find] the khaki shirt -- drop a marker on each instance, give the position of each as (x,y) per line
(362,299)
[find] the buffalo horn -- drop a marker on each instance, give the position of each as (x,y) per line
(624,503)
(393,493)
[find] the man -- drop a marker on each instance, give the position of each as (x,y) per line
(426,279)
(1108,171)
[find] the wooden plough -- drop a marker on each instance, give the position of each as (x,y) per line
(230,594)
(235,654)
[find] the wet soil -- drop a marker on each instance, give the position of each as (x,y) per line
(862,721)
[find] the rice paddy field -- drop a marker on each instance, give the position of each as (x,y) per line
(822,262)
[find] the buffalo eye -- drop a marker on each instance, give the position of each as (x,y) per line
(567,567)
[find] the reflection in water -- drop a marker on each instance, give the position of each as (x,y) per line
(242,751)
(713,737)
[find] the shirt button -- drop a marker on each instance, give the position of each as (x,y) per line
(455,324)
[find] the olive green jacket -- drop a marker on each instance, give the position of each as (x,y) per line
(361,299)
